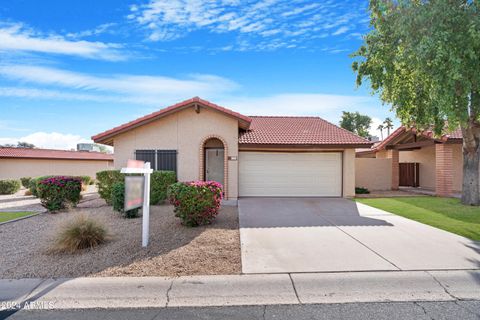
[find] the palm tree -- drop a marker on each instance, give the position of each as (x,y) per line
(388,125)
(381,127)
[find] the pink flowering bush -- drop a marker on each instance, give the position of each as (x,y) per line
(58,192)
(196,202)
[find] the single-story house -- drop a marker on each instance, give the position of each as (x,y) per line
(417,159)
(250,156)
(16,163)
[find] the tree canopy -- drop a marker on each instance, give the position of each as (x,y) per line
(356,123)
(423,58)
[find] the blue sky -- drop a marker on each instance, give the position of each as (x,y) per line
(71,69)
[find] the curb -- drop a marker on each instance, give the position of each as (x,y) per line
(240,290)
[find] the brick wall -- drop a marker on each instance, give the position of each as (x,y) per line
(443,169)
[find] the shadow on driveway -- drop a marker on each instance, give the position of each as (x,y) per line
(303,212)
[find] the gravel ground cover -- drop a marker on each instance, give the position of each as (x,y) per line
(174,250)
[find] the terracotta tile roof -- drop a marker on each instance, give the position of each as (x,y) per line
(298,130)
(101,137)
(28,153)
(454,135)
(457,134)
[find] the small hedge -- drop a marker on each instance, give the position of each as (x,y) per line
(118,200)
(33,184)
(159,182)
(196,202)
(85,181)
(361,190)
(105,181)
(9,186)
(59,192)
(25,181)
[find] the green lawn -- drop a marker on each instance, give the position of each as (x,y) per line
(444,213)
(6,216)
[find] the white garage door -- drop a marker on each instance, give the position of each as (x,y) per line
(290,174)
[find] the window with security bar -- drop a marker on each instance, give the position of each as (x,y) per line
(159,159)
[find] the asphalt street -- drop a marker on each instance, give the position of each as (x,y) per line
(464,310)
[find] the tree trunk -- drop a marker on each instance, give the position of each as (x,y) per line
(471,160)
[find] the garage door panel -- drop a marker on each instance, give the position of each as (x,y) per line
(290,174)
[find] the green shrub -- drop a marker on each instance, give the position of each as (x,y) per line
(80,233)
(85,181)
(361,190)
(25,181)
(197,202)
(33,184)
(58,192)
(105,181)
(159,183)
(118,200)
(9,186)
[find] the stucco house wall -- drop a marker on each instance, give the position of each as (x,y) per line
(349,170)
(15,168)
(184,131)
(373,174)
(426,157)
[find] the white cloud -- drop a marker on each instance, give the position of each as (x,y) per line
(327,106)
(100,29)
(282,21)
(52,140)
(18,38)
(341,30)
(124,87)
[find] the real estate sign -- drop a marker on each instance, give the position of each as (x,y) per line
(134,192)
(133,197)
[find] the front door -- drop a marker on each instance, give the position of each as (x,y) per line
(214,165)
(409,174)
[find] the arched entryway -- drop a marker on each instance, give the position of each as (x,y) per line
(213,161)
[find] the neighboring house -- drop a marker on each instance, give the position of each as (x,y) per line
(16,163)
(417,159)
(250,156)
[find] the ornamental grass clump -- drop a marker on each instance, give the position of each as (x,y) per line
(80,233)
(59,192)
(196,202)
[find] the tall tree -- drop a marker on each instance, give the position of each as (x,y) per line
(388,124)
(422,57)
(356,123)
(380,128)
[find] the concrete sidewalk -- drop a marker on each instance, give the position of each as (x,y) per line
(236,290)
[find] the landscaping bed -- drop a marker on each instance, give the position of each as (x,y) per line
(174,249)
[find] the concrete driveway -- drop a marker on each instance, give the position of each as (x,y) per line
(332,234)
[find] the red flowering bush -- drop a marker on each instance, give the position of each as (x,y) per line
(196,202)
(58,192)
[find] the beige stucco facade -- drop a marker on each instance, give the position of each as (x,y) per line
(185,131)
(373,173)
(349,170)
(16,168)
(426,157)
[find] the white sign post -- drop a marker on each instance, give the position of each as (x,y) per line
(136,167)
